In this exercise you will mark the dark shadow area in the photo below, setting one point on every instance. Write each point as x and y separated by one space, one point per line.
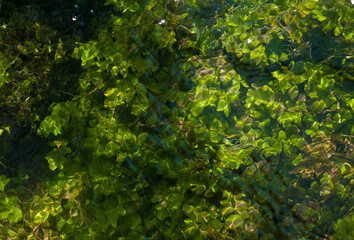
24 155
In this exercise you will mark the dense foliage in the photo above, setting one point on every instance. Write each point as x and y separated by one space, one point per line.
183 119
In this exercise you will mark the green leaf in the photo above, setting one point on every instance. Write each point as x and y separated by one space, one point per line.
115 70
289 117
196 110
233 221
187 209
351 103
319 15
162 214
41 216
156 198
310 133
243 37
222 105
318 106
264 94
15 215
348 34
227 111
338 30
113 215
3 129
282 135
56 158
227 211
190 229
217 225
215 137
297 35
198 188
283 57
4 213
297 160
298 68
273 58
3 182
230 47
254 55
293 92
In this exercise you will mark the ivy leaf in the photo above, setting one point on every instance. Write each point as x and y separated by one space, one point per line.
338 30
187 209
190 229
3 182
162 214
113 215
222 105
243 37
298 68
227 111
15 215
282 135
156 198
293 92
227 211
216 224
297 160
41 216
288 117
233 221
351 103
230 47
319 15
198 188
273 58
215 137
263 94
318 106
310 133
55 160
196 110
4 213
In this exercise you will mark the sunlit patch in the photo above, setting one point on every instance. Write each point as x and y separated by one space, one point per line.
163 21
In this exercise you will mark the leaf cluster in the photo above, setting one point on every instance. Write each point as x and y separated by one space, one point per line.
183 119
